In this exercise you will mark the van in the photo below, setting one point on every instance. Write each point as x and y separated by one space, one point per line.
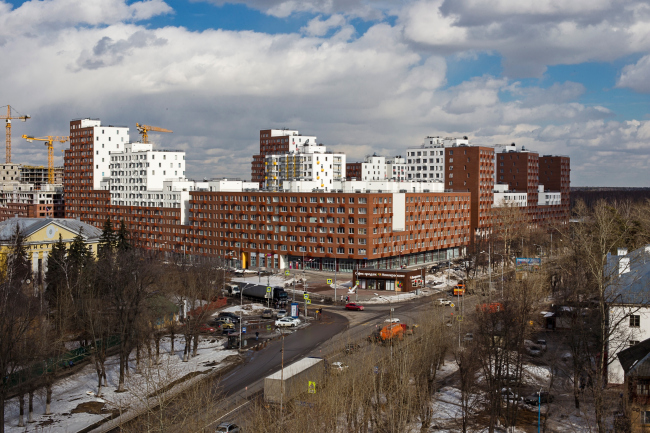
233 289
459 290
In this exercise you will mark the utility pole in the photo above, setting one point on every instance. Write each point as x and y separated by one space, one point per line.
335 279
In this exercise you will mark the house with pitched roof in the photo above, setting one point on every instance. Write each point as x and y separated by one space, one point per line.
41 234
628 296
635 361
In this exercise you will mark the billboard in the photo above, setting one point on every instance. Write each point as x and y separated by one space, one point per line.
528 264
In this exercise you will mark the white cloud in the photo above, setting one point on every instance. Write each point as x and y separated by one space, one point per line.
636 76
216 89
367 9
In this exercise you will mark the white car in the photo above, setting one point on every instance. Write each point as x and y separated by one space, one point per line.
443 301
393 320
338 367
287 322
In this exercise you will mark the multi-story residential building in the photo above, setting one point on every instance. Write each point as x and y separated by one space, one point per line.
505 197
276 142
353 170
427 161
38 175
26 200
385 223
471 169
310 162
396 168
10 172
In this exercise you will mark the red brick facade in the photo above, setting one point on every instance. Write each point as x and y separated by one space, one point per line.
353 170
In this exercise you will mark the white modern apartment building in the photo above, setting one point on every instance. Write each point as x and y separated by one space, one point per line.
427 161
308 162
396 168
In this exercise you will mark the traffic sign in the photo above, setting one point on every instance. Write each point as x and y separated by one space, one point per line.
268 327
306 296
286 272
329 281
357 282
459 318
243 330
392 309
269 289
452 305
308 301
312 387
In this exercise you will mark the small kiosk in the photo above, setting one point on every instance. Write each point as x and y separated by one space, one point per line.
398 280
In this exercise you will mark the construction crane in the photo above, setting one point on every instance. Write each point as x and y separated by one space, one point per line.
8 118
144 130
49 142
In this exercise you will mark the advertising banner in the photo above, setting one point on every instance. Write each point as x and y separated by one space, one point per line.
528 264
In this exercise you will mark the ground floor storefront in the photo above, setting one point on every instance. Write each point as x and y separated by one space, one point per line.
397 280
290 262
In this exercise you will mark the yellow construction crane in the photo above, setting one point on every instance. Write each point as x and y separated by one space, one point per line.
49 142
144 130
8 118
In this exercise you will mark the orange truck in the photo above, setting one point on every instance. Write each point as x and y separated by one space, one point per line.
392 331
459 290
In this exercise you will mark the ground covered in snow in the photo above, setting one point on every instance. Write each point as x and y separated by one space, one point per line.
75 405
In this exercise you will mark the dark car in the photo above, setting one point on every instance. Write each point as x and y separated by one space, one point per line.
231 316
353 306
267 314
536 398
226 427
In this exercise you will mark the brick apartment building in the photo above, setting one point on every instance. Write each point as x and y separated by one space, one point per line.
272 229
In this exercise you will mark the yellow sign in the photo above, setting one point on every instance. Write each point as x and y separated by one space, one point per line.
329 281
312 387
531 323
286 272
308 301
305 296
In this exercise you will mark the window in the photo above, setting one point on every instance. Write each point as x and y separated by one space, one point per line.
645 417
643 388
635 321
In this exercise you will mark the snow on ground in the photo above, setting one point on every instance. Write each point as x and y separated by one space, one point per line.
247 309
536 374
78 391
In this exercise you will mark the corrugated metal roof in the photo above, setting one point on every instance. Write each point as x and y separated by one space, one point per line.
30 225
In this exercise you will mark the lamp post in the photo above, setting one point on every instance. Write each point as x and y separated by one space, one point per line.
502 259
489 253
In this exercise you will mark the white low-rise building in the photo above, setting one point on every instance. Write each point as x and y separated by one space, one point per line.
363 186
545 198
504 197
427 161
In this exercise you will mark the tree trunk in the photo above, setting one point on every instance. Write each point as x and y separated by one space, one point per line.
2 412
48 398
120 385
21 405
195 347
173 338
30 416
576 388
137 358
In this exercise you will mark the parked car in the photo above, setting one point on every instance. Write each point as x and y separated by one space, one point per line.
469 337
267 314
234 318
536 398
393 320
509 394
338 367
206 329
542 344
353 306
281 314
534 350
228 331
287 322
226 325
226 427
444 301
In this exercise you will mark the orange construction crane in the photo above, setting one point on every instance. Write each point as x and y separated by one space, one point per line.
8 118
49 142
144 130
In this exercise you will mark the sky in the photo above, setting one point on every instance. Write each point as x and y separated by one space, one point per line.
558 77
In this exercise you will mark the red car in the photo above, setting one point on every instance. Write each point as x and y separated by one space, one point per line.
207 329
353 306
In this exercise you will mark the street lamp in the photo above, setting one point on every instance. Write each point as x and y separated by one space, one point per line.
489 253
502 260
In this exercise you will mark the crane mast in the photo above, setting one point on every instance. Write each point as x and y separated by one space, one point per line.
8 118
49 142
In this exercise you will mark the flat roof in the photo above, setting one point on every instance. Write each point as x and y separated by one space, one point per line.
295 368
